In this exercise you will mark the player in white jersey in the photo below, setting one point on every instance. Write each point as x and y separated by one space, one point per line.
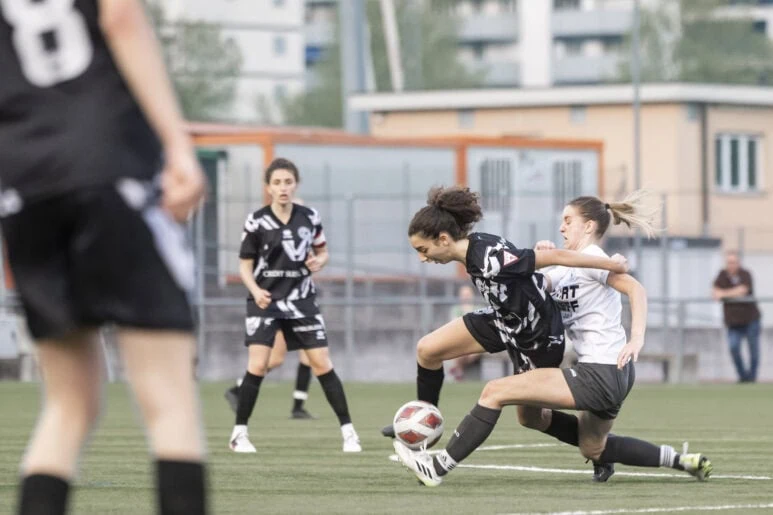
590 304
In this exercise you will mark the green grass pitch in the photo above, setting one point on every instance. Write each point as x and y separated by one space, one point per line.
299 467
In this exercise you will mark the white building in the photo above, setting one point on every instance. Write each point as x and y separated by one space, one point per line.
270 36
533 43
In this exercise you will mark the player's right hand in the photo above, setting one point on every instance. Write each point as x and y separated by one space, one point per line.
263 298
544 245
183 184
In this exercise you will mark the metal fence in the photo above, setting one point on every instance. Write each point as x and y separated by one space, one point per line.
378 299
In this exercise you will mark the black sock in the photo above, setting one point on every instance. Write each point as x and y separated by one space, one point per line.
470 434
334 392
302 380
42 494
181 487
564 427
630 451
428 384
248 395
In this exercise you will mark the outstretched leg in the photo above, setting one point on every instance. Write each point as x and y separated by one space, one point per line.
597 444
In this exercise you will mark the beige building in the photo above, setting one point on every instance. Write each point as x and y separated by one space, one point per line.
709 148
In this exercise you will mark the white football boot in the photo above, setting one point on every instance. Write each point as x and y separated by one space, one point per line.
240 440
418 462
351 440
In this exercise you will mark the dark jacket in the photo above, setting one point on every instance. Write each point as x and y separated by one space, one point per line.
737 313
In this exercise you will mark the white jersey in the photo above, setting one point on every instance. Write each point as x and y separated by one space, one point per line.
590 310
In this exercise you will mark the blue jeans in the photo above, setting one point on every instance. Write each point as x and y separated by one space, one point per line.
734 336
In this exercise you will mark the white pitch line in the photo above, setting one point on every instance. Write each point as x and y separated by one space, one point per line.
393 457
655 510
587 472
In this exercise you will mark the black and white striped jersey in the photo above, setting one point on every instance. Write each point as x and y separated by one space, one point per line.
527 316
279 252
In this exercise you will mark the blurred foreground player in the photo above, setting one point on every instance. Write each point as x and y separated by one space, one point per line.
97 174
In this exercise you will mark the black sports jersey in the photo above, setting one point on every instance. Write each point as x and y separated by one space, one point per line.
505 276
67 119
279 252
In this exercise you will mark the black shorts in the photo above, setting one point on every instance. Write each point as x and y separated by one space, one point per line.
307 332
600 389
481 324
87 258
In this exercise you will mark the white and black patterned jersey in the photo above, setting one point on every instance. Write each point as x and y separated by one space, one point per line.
279 252
527 317
67 118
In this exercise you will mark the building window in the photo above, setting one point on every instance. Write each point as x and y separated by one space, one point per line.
508 6
466 118
560 5
737 162
573 47
495 185
477 50
577 114
280 92
279 45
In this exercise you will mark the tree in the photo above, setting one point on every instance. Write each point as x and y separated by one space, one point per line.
686 40
429 57
203 65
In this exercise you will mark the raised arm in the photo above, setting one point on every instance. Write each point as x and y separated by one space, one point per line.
577 259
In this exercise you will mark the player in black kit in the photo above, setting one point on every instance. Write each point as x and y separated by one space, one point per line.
282 245
96 174
522 317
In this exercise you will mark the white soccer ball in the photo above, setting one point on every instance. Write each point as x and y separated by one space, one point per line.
418 423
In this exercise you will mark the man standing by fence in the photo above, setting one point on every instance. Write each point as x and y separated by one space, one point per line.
733 286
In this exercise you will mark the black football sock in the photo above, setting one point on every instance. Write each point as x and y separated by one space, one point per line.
631 451
181 489
248 395
302 380
428 384
471 433
334 392
564 427
42 494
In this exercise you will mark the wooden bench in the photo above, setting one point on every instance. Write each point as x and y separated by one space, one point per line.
669 363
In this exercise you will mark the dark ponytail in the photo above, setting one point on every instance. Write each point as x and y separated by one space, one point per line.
453 210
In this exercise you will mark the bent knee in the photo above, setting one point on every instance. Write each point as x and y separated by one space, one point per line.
592 450
491 396
257 369
428 350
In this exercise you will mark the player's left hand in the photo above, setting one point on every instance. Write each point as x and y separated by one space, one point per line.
629 351
313 263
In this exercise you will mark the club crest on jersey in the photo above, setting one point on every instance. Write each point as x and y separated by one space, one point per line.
287 234
509 258
304 233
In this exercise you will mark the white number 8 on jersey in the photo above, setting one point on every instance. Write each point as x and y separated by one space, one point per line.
57 21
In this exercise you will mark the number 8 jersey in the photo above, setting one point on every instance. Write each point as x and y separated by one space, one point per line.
67 119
